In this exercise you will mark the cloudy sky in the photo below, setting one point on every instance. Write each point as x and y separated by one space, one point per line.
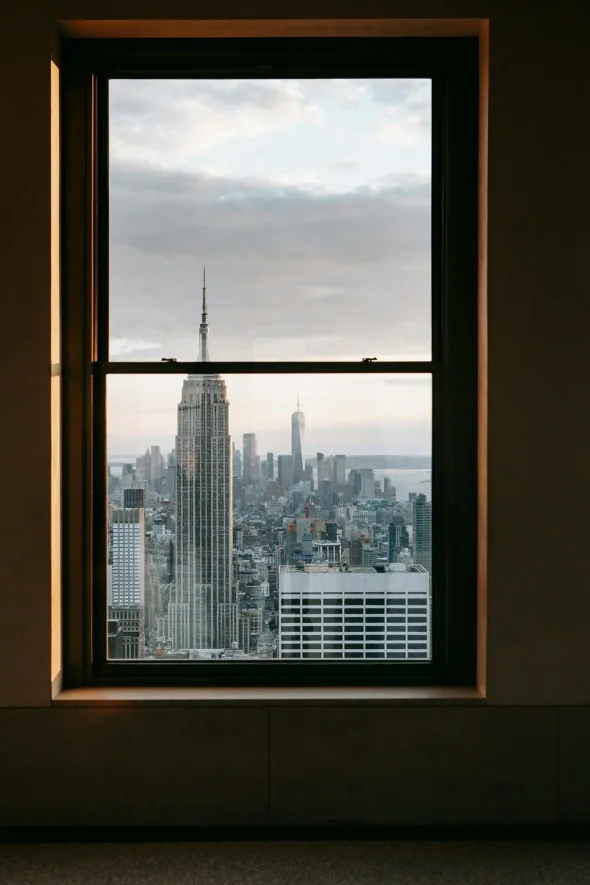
309 203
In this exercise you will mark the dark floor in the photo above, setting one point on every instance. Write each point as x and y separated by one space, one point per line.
298 863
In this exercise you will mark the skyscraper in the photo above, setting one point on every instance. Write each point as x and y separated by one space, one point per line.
270 465
128 555
320 463
298 443
134 498
367 483
127 581
285 471
250 450
201 610
423 532
340 469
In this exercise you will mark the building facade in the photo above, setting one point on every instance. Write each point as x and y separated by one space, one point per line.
201 610
332 613
127 585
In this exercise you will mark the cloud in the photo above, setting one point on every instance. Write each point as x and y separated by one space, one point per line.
174 122
406 109
126 346
333 274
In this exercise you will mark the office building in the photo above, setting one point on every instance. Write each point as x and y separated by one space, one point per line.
270 466
331 613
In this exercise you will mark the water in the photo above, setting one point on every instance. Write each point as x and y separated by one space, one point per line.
406 481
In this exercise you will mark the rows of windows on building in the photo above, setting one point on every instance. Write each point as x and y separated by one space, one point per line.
216 551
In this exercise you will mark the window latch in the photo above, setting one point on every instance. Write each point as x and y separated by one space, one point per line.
369 359
169 359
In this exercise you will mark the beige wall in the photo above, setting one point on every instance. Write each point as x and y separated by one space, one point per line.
522 757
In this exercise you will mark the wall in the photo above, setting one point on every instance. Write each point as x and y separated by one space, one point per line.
519 758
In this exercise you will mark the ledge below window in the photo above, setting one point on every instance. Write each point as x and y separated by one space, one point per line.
287 696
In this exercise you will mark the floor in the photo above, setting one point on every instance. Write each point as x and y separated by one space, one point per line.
298 863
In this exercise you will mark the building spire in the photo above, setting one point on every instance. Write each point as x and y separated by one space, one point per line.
204 327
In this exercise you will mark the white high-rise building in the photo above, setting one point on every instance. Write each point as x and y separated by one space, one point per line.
126 591
332 613
127 584
201 610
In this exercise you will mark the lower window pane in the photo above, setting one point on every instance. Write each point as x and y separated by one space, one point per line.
233 527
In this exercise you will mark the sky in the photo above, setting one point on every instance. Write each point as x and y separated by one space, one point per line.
309 203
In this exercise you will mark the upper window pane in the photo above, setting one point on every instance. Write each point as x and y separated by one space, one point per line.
308 201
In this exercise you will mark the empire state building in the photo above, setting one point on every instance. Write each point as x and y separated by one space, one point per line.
202 612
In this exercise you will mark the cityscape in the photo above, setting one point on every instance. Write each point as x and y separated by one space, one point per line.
217 552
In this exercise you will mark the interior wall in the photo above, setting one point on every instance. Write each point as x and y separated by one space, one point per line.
522 757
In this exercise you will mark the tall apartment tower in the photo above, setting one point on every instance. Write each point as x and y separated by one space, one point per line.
201 610
250 453
298 443
270 466
423 532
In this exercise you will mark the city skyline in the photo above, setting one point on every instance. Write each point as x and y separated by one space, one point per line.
141 410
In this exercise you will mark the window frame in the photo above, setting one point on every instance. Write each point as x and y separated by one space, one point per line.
452 63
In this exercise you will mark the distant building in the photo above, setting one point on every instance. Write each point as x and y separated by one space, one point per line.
367 483
422 540
249 460
298 443
250 627
398 538
298 541
128 557
368 555
128 640
329 613
339 469
328 551
270 466
134 499
237 463
320 463
285 471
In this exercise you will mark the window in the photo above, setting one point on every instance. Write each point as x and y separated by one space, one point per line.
312 461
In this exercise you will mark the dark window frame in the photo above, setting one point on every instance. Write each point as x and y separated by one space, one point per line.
452 63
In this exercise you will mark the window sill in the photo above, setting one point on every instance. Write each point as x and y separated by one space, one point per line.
257 697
